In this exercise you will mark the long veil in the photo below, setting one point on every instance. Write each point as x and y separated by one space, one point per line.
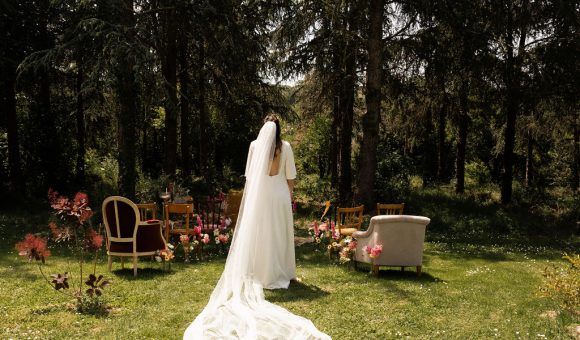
237 307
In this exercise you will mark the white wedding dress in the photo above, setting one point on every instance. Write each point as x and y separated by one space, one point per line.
261 256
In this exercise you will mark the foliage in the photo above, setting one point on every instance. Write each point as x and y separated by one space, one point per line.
563 283
392 183
74 216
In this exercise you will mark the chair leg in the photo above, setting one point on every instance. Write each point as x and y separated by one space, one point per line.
134 265
110 262
376 269
122 262
402 269
419 271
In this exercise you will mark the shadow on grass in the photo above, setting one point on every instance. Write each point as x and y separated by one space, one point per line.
295 292
396 274
146 273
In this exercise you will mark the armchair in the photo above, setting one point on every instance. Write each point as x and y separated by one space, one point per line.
401 236
127 234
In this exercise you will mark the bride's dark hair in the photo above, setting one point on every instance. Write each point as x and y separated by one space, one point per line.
274 118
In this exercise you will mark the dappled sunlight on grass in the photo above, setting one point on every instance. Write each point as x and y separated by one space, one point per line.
468 289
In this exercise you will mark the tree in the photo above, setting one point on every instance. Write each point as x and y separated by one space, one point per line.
368 157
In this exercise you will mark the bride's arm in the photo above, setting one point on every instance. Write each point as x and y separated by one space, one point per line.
291 188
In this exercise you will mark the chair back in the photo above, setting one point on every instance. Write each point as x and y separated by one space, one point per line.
402 238
233 203
121 217
145 208
350 217
390 209
183 209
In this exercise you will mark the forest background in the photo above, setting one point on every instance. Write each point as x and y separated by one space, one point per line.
387 100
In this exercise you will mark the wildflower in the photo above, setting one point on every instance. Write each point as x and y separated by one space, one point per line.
184 239
352 245
33 247
224 238
197 230
60 281
59 234
216 232
205 239
93 241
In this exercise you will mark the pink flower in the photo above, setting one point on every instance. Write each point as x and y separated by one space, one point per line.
205 239
197 230
352 245
375 251
315 228
199 222
224 238
184 239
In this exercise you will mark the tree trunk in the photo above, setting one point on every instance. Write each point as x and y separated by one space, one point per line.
169 70
512 103
9 109
50 148
529 159
203 119
127 116
368 151
347 114
441 127
576 160
461 139
186 114
80 118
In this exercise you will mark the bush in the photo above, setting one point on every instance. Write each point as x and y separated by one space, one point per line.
563 283
477 174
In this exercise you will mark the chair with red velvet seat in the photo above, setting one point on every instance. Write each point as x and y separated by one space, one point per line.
127 234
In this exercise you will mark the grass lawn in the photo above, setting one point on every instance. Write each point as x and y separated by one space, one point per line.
467 290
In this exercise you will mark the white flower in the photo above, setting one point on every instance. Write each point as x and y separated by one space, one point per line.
228 222
158 259
216 232
217 240
170 246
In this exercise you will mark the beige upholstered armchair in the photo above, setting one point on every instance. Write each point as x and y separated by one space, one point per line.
401 236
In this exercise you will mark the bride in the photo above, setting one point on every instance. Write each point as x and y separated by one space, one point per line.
261 254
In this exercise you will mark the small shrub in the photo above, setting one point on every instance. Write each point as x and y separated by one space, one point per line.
563 284
74 227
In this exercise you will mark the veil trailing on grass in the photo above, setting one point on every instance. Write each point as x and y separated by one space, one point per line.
237 307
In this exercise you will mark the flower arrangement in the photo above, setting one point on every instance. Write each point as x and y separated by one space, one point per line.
75 228
374 251
345 249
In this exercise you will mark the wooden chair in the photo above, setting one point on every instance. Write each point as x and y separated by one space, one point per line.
210 211
145 208
234 201
127 234
349 220
390 209
184 210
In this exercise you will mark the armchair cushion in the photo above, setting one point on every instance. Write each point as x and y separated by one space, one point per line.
148 240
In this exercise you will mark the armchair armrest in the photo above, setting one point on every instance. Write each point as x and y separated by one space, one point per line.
365 233
149 236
